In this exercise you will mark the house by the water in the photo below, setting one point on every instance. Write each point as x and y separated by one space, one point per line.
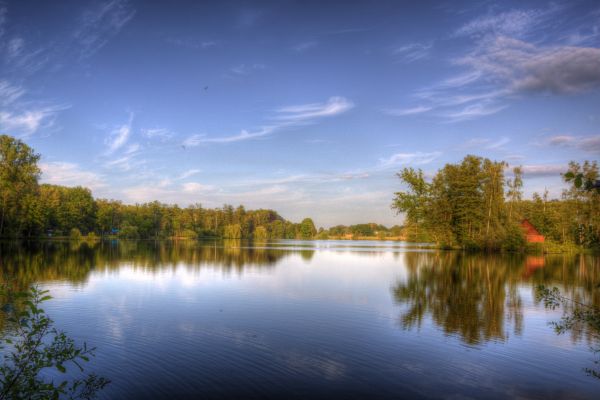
532 235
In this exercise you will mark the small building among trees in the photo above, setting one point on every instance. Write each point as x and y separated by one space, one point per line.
531 234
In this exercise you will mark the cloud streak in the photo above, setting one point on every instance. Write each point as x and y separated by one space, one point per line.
70 174
100 24
588 144
285 117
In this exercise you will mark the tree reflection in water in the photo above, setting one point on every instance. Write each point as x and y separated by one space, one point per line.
476 296
23 264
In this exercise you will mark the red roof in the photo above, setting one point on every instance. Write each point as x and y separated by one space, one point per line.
532 234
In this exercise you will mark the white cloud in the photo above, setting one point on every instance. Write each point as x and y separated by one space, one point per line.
409 111
14 47
524 67
246 69
589 144
543 170
504 62
286 117
157 133
513 23
304 46
9 93
26 123
195 187
412 52
300 113
472 111
189 173
416 158
100 23
70 174
486 143
119 136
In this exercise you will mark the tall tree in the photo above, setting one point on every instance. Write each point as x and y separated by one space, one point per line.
19 175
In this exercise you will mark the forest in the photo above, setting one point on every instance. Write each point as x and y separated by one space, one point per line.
472 205
29 209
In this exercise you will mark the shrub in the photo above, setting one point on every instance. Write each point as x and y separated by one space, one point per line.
75 234
33 346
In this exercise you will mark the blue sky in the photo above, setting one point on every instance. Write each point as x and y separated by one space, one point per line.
309 108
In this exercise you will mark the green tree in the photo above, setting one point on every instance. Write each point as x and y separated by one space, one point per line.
19 175
307 229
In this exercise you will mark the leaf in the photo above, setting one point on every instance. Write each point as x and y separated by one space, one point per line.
578 181
45 298
569 175
61 368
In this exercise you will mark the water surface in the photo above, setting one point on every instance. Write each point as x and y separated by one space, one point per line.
313 319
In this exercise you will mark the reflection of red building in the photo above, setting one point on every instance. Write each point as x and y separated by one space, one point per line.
532 234
532 263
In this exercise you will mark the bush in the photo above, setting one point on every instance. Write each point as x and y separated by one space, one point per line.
33 346
128 232
75 234
92 237
514 239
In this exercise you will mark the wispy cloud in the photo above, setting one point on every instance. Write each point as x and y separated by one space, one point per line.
9 93
192 43
158 133
408 111
119 136
543 170
100 23
525 67
504 62
472 111
285 117
412 52
588 144
416 158
511 23
304 46
246 69
27 122
70 174
188 173
486 143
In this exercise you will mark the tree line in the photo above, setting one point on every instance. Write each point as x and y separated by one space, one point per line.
29 209
471 204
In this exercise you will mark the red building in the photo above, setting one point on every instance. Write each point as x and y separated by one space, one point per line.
532 234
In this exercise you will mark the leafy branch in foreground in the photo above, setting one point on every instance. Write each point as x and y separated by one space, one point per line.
33 348
578 316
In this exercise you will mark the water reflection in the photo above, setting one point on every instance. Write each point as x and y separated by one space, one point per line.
22 264
477 296
259 320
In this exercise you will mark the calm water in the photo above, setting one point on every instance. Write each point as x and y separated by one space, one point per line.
316 319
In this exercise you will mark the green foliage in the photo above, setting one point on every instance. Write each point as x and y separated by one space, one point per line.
33 346
128 232
307 229
75 234
577 317
19 212
260 233
514 238
463 204
233 231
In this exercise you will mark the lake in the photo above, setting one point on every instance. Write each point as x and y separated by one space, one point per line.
314 319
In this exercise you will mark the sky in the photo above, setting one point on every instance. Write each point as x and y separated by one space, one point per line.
309 108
